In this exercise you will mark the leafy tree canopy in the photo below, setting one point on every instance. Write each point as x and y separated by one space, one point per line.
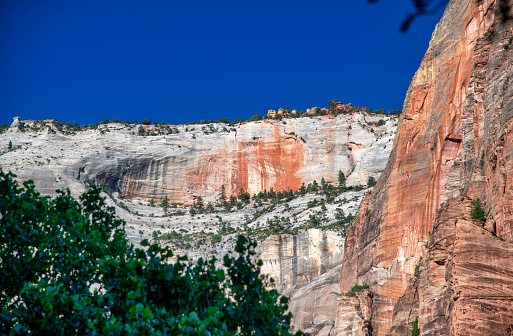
68 269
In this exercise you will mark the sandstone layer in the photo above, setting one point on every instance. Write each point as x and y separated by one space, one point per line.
454 140
200 159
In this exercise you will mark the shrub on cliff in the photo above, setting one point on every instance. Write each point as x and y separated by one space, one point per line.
371 182
476 210
356 289
67 269
415 331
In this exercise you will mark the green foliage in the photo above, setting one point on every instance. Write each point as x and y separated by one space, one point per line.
10 145
341 179
476 210
3 127
222 194
332 104
67 269
356 289
165 204
146 121
381 122
415 329
371 182
255 117
416 272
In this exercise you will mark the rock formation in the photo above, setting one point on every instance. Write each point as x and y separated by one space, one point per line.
426 260
254 156
454 143
306 268
200 159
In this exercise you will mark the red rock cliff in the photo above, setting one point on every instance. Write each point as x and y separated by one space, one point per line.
454 143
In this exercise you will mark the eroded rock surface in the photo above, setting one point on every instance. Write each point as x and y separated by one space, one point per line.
306 268
454 140
200 159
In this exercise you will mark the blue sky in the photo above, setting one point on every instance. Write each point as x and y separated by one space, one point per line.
178 61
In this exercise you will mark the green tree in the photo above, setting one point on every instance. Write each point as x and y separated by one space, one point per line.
255 117
476 210
68 269
332 105
415 331
341 179
146 121
371 182
106 121
10 145
222 194
165 204
152 202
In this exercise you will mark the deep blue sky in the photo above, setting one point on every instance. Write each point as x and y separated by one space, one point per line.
188 60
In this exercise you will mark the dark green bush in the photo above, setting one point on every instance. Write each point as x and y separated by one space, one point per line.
356 289
371 182
415 330
476 210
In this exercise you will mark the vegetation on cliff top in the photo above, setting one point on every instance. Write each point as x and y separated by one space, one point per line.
165 128
67 269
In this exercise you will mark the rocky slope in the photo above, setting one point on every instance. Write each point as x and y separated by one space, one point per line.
454 143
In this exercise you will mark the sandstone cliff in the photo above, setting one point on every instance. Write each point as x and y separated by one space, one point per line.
200 159
454 143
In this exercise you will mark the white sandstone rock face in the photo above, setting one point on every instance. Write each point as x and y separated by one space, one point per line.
294 260
200 159
306 268
197 162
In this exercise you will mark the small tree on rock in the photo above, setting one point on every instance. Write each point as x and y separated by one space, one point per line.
341 179
165 204
371 182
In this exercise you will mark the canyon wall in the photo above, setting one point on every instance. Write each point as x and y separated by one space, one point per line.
306 268
200 159
454 143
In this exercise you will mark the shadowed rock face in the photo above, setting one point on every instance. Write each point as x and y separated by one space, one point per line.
306 268
454 140
199 160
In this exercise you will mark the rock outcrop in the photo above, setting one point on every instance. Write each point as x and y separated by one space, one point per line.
200 159
454 142
306 268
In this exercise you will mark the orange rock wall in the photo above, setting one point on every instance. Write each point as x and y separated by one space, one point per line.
253 157
454 139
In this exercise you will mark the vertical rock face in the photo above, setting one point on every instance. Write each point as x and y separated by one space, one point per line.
306 268
454 140
464 284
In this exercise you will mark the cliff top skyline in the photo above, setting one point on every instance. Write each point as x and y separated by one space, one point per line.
180 62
